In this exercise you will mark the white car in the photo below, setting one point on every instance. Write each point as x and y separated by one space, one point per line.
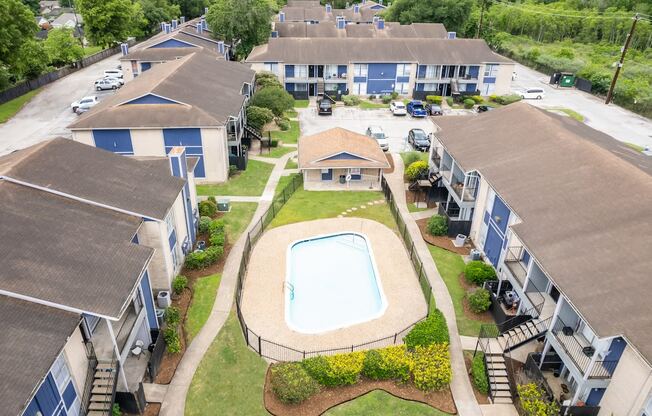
84 104
376 132
532 94
107 84
398 108
113 73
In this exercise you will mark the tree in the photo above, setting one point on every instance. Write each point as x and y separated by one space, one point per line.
157 11
33 6
16 27
191 8
452 13
244 23
62 48
108 22
276 99
32 59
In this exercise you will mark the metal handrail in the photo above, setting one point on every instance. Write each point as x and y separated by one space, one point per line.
575 349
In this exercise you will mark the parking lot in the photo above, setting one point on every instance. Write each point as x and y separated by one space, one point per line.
355 119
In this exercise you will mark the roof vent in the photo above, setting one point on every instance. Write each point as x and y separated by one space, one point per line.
281 17
452 35
356 8
329 8
168 28
124 48
375 20
381 24
162 26
174 24
183 19
205 10
220 47
204 25
341 23
199 28
380 2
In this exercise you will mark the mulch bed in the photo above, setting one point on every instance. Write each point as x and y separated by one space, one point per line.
480 397
390 159
152 409
331 397
469 287
444 242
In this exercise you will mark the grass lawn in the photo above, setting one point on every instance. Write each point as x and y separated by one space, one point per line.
11 107
570 113
311 205
292 164
236 220
230 377
289 136
301 103
368 105
250 182
205 290
409 157
413 208
91 50
277 151
291 114
450 265
284 181
379 402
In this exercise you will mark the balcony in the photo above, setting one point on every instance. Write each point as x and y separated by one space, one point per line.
514 262
435 158
580 352
465 186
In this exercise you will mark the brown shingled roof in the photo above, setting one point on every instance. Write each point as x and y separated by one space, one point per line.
585 202
329 30
314 149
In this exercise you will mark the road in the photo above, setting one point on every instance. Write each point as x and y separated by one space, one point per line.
619 123
48 113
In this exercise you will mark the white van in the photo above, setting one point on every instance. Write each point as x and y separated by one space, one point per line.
113 73
532 94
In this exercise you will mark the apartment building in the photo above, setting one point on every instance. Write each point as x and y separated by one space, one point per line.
311 11
171 105
561 211
88 239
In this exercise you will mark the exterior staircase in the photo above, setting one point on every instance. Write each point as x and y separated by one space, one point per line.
523 333
498 381
103 390
252 132
320 87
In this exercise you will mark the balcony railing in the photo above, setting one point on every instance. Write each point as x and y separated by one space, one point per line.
436 158
514 262
580 351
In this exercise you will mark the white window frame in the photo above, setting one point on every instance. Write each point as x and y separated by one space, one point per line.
432 71
403 70
488 89
301 71
402 87
304 87
330 71
430 86
60 367
272 67
491 70
360 70
360 88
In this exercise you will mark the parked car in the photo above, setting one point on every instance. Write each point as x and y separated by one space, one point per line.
416 109
324 107
484 108
532 94
89 102
107 84
419 140
434 109
113 73
376 132
397 108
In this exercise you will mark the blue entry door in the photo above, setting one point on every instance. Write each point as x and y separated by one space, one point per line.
492 245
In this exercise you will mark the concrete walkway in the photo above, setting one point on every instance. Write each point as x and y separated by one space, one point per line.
460 385
232 198
174 402
424 214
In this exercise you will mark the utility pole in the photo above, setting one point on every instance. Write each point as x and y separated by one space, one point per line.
622 59
477 34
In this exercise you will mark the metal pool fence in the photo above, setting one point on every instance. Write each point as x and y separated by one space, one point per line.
278 352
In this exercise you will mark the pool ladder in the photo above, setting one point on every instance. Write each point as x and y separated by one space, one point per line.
290 287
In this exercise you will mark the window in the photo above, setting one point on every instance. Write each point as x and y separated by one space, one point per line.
360 88
169 220
462 71
60 372
271 67
401 87
430 86
491 70
360 70
330 71
432 71
448 71
301 87
175 258
403 70
488 89
301 71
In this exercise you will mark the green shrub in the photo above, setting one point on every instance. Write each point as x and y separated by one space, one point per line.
432 367
386 99
179 283
534 402
273 143
274 98
479 300
434 99
468 103
350 100
477 99
212 199
479 272
115 410
335 370
172 316
372 97
207 208
391 363
449 101
217 225
217 238
508 99
432 330
437 225
203 224
393 95
233 170
257 117
291 383
493 97
171 336
416 170
202 259
283 124
267 79
411 157
479 373
213 254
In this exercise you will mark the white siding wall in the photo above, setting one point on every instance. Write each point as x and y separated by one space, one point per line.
478 212
152 234
630 387
504 79
75 353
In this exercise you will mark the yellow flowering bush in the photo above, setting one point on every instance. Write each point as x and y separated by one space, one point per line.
432 367
391 363
335 370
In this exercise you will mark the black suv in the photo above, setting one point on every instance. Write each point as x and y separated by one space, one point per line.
419 140
324 107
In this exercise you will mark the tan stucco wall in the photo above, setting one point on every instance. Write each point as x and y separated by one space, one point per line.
480 208
83 136
150 235
504 79
312 179
147 142
630 386
76 356
127 73
216 155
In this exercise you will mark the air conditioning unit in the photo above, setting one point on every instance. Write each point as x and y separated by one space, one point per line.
163 299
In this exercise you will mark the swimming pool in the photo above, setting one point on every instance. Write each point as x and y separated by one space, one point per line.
331 282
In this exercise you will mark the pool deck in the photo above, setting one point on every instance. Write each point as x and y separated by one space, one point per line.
263 301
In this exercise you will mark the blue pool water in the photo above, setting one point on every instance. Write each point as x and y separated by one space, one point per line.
331 282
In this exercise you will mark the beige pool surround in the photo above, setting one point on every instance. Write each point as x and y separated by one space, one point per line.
263 303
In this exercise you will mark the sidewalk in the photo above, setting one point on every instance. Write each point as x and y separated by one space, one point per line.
460 385
174 402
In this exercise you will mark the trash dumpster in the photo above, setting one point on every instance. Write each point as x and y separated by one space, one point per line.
567 80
